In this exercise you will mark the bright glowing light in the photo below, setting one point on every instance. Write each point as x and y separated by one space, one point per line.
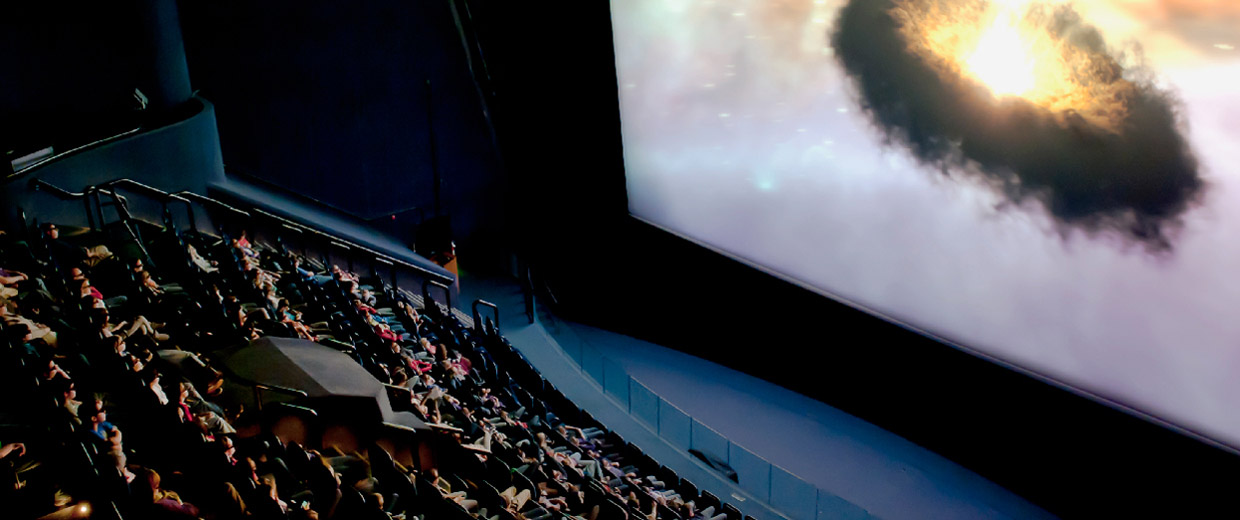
1001 60
1013 48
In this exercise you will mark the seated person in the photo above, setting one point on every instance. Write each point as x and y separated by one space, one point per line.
144 280
38 331
204 411
8 282
155 502
86 290
64 254
95 419
286 314
206 266
100 318
445 489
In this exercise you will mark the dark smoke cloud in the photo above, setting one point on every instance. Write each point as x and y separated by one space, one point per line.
1137 183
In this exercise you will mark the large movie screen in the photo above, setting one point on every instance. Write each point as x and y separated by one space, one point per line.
1052 184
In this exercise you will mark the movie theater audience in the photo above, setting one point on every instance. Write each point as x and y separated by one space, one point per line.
507 451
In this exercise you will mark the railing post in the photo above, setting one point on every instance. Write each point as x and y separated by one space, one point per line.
447 293
478 326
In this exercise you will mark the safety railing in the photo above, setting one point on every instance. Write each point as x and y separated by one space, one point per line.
352 246
784 491
72 151
94 212
447 292
478 322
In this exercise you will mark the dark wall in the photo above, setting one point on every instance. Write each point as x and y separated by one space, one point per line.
1062 451
330 100
70 69
184 155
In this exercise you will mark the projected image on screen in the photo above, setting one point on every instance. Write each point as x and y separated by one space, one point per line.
1050 183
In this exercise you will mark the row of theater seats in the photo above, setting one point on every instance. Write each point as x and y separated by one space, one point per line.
119 411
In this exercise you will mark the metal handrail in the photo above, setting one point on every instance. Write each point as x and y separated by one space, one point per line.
258 388
94 212
447 291
154 193
61 193
327 236
55 157
122 211
478 316
304 409
201 199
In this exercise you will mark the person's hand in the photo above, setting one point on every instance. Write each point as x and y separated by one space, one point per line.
11 447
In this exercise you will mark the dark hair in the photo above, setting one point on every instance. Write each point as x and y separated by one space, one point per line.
98 317
149 375
18 332
88 410
61 386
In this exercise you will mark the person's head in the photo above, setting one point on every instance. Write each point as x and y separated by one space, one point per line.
18 333
77 273
117 344
394 346
151 479
269 484
51 231
183 390
150 377
136 265
92 413
98 316
284 304
68 391
84 286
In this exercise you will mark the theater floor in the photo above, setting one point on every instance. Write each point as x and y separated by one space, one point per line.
885 475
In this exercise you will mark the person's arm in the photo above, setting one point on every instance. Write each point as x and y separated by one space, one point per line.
10 447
